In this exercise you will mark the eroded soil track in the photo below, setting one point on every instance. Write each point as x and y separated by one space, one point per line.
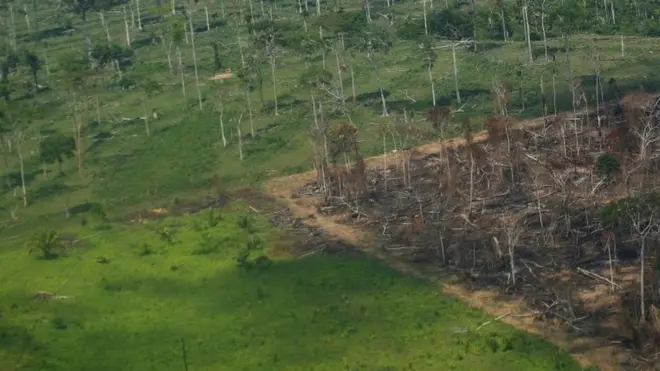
601 352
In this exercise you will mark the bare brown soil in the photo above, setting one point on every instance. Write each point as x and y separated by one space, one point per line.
542 189
222 76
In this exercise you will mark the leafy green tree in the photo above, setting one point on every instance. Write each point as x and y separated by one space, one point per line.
55 148
9 62
46 242
104 55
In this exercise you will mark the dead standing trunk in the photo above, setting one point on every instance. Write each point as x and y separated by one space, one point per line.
146 116
126 29
272 72
88 36
139 16
192 42
19 149
183 80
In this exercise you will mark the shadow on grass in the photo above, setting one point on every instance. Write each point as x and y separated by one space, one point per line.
50 33
330 310
52 188
13 178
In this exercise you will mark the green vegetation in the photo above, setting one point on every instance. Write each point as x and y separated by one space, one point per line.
161 282
607 164
118 95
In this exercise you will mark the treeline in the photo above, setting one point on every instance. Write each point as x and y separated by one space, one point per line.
506 20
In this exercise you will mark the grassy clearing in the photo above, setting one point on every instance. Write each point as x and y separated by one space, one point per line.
317 313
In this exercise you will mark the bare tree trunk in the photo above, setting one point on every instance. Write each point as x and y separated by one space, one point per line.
623 53
554 94
168 52
471 183
240 138
353 84
642 270
382 93
128 33
545 40
453 56
98 111
385 160
139 16
272 72
321 158
173 4
222 123
146 116
527 33
132 17
208 24
183 80
318 7
609 258
105 27
249 102
88 36
432 84
27 17
339 78
367 9
192 42
504 31
426 26
19 145
12 27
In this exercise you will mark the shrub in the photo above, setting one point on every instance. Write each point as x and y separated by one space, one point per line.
209 245
146 250
214 218
167 235
46 242
59 323
607 164
245 222
243 256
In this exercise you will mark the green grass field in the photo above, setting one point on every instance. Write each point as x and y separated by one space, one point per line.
341 312
134 295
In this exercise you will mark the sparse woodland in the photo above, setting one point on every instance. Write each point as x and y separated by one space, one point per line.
110 106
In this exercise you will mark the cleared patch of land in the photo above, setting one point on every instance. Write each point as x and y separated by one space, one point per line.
523 200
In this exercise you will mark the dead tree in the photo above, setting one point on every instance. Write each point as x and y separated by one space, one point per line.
642 224
512 229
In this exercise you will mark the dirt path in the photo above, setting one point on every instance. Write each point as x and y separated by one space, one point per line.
587 351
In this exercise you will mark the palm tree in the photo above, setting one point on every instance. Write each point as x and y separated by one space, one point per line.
46 242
